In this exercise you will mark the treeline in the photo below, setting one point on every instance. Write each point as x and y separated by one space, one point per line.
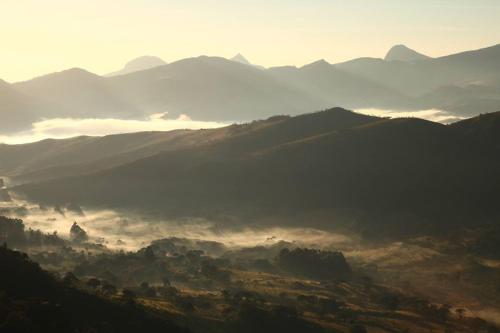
13 233
314 264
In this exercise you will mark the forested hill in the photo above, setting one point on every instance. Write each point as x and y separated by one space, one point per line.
32 300
334 164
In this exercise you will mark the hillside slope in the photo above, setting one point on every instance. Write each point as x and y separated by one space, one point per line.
375 169
32 300
68 157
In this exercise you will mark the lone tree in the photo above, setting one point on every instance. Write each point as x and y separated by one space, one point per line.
93 283
460 313
77 234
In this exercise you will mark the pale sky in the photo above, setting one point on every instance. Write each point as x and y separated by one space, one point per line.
43 36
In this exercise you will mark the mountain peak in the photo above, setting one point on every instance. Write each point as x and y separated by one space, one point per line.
403 53
241 59
322 63
139 64
71 74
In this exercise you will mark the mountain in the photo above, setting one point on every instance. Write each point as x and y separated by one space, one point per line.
204 88
211 88
337 166
77 93
335 86
427 77
218 89
139 64
241 59
467 99
405 54
17 110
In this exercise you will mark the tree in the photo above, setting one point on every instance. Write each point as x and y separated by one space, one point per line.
93 283
77 234
460 313
70 279
166 281
108 288
149 254
314 264
357 328
128 296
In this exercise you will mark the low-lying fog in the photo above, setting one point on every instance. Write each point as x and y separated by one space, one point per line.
60 128
435 115
124 231
128 232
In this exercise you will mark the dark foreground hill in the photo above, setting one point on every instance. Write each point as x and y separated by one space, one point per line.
335 166
32 300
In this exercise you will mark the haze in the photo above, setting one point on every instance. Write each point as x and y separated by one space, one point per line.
40 37
264 166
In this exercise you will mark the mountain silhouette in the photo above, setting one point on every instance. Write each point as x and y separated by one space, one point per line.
17 109
403 53
241 59
77 93
139 64
217 89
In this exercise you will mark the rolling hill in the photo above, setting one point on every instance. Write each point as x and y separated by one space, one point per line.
68 157
334 164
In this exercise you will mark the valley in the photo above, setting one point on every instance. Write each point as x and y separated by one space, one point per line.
250 166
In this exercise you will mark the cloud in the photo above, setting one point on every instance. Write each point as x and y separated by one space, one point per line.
60 128
435 115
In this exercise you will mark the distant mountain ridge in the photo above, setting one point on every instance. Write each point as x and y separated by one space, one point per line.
139 64
242 60
403 53
218 89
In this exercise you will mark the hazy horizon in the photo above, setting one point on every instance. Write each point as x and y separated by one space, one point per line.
56 35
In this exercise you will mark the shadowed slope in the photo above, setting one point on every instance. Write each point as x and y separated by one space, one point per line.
364 168
34 301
